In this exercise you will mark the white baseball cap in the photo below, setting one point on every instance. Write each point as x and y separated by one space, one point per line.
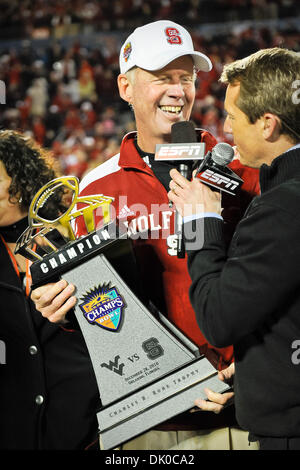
155 45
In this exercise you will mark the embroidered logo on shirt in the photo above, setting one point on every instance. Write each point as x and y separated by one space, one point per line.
125 212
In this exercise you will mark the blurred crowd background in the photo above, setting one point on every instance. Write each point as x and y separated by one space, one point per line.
59 64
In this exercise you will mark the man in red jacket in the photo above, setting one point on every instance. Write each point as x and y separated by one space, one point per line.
158 82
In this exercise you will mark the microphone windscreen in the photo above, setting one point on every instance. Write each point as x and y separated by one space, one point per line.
222 154
183 132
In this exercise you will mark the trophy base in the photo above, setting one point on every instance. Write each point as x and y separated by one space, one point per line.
156 403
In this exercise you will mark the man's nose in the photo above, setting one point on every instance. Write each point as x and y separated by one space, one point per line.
227 126
176 90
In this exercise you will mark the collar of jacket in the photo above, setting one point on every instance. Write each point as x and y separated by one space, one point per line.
12 232
8 275
283 168
130 158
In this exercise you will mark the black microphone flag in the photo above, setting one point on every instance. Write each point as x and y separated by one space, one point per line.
214 172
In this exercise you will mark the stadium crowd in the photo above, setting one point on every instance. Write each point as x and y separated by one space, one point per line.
66 97
33 17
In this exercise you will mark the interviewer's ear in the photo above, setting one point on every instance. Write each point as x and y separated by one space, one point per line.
271 127
125 88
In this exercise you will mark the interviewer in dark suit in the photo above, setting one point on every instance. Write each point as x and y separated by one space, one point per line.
249 295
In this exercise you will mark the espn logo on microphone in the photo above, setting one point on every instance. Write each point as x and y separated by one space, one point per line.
183 151
219 181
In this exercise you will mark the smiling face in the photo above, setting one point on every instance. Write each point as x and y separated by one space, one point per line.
160 99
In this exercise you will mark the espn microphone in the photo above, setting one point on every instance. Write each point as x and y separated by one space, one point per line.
182 132
183 151
214 172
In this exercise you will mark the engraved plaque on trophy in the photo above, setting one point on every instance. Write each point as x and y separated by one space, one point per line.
147 371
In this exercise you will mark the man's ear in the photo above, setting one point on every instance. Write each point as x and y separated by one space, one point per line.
125 88
271 127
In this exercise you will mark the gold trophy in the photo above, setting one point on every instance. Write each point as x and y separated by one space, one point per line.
147 371
39 226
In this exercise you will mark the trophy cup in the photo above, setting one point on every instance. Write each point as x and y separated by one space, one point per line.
147 371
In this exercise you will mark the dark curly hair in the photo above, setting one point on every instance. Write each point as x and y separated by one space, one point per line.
30 167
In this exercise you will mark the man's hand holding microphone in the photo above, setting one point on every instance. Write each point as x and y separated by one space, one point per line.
192 197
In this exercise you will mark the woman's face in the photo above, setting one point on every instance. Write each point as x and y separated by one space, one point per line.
9 212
